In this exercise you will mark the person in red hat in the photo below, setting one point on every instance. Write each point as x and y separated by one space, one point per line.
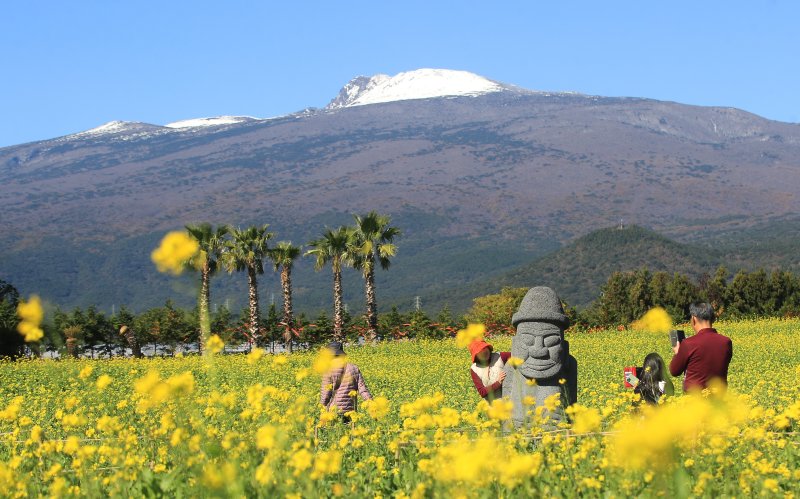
488 369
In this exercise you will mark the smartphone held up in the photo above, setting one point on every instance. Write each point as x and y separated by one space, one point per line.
630 375
676 336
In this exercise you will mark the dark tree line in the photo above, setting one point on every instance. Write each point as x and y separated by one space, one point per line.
168 329
11 342
626 296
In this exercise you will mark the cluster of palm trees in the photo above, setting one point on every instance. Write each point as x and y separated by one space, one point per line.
369 241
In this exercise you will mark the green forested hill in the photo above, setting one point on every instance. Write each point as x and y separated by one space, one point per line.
768 245
578 270
109 274
441 272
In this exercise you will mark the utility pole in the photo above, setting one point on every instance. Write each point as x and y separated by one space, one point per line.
417 303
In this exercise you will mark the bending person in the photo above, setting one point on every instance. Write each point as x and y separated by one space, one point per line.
487 369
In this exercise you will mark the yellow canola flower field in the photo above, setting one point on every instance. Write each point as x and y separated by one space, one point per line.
252 426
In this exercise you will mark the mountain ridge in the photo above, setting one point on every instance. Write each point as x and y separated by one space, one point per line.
411 85
481 184
417 84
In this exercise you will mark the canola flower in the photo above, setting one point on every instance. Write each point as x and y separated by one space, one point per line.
266 437
85 372
471 333
177 250
653 438
103 381
301 461
255 355
481 462
584 419
500 409
326 361
377 408
214 344
514 362
326 463
31 315
656 320
234 428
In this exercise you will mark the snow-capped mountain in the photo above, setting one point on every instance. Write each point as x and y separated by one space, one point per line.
212 121
419 84
529 168
117 130
118 127
127 130
360 91
356 87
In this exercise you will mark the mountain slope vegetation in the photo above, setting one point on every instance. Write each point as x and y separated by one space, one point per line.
479 186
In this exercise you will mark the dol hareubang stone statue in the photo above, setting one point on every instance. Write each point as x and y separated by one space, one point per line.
540 344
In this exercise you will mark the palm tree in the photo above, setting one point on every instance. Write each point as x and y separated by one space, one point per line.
333 247
283 256
211 244
374 240
246 250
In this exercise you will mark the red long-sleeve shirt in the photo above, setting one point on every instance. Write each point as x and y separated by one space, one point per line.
703 357
483 390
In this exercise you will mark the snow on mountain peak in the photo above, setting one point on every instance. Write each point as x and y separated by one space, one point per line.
111 127
213 121
419 84
118 128
133 130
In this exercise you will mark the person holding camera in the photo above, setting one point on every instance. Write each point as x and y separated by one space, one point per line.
652 382
706 355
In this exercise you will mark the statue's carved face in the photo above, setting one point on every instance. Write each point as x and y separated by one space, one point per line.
540 346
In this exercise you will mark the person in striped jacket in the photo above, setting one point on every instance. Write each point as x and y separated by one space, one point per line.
342 384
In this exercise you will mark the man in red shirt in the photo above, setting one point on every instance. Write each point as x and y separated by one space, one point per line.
704 356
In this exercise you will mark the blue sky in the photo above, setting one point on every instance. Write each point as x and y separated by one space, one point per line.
71 66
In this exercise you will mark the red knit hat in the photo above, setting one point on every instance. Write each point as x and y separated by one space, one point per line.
478 345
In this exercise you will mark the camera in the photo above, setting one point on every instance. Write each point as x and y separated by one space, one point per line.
629 372
676 336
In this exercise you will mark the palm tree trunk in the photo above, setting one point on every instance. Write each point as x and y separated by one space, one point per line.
286 282
253 284
133 343
338 319
72 347
372 306
205 321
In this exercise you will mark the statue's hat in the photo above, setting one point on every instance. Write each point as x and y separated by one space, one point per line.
541 304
